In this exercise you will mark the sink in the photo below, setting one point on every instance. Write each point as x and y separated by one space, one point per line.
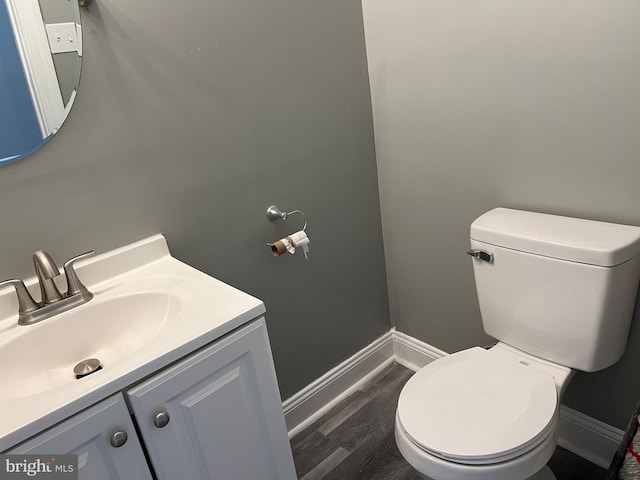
148 310
42 356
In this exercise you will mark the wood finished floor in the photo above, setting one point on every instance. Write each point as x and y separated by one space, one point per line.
354 440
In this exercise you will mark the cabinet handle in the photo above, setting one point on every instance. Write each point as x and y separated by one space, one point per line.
161 419
118 439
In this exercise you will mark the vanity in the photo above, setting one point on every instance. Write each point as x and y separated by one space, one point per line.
186 386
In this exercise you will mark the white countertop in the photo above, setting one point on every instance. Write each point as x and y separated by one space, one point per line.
209 310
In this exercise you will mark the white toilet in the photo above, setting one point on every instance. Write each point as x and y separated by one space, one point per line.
558 294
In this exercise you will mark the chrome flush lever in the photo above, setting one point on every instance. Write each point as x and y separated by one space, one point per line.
481 255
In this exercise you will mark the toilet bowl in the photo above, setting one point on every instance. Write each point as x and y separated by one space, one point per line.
434 468
558 294
481 414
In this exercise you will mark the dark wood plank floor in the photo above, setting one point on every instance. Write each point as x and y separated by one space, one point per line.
355 441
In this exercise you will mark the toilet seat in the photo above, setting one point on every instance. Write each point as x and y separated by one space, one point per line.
476 407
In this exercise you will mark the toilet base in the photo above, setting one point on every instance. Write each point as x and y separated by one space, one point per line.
544 474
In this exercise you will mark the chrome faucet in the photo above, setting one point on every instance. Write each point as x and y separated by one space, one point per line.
46 270
52 301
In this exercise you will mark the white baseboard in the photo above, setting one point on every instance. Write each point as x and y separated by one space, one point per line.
413 353
317 398
587 437
583 435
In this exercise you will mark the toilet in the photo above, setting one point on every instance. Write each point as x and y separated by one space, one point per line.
558 294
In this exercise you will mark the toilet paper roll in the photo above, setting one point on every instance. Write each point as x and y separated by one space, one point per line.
281 246
278 248
289 244
303 242
299 238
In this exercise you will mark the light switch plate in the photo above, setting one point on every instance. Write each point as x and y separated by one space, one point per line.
63 37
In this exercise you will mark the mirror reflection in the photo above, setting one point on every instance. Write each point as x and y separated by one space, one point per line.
40 62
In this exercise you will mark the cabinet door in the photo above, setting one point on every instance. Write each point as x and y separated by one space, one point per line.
225 414
88 435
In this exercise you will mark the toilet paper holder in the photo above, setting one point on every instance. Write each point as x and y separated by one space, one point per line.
290 242
274 213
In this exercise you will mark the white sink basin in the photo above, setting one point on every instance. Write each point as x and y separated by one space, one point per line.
43 355
148 311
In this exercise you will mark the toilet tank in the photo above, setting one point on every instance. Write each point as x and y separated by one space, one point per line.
560 288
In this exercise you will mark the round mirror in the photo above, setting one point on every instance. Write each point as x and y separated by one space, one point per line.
40 61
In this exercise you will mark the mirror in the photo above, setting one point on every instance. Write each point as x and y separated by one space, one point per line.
40 62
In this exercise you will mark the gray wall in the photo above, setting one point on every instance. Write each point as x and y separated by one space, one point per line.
59 11
191 119
530 105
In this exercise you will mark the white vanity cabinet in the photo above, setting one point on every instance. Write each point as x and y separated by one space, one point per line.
215 414
224 413
103 437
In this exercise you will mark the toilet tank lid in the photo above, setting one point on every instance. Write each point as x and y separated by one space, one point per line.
567 238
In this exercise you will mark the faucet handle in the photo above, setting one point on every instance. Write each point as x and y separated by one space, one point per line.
26 303
74 285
